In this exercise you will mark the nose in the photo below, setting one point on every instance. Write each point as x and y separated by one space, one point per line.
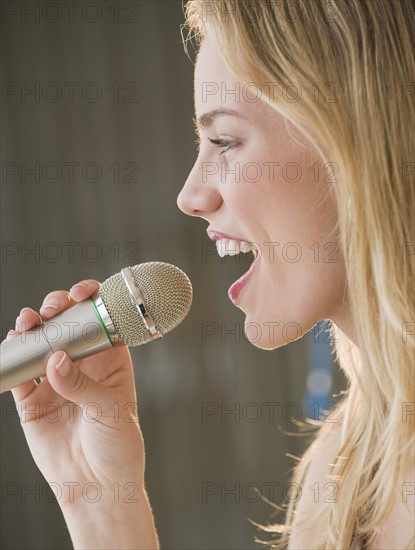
199 195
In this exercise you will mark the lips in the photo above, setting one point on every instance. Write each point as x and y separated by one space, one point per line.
229 245
238 285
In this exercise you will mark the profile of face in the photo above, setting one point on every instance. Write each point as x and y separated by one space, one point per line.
262 186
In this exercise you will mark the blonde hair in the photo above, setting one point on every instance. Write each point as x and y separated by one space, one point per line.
359 56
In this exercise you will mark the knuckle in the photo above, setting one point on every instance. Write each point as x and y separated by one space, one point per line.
80 383
11 334
26 311
60 294
30 316
88 285
57 297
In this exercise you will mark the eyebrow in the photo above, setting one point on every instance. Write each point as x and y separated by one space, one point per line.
207 119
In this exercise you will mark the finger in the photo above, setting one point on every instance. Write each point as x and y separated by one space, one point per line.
23 391
27 319
31 393
55 302
84 289
73 384
12 334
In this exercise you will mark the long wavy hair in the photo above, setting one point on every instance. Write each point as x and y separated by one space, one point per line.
347 70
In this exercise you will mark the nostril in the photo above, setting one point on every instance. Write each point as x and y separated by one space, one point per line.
181 203
199 202
198 198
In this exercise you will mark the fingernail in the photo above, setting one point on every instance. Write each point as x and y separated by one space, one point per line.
26 308
9 335
18 322
80 285
50 305
63 366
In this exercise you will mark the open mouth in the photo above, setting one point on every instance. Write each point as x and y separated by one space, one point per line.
230 246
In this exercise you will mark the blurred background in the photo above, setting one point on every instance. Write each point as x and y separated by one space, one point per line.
97 140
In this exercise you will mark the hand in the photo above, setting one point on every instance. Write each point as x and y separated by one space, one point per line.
81 420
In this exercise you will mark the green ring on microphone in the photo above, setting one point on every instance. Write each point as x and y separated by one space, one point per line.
103 324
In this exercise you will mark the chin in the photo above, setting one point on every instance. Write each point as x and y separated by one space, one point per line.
266 346
270 335
267 336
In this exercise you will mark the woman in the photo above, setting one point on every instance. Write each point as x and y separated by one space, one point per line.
306 121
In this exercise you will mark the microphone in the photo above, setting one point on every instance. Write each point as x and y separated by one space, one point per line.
131 308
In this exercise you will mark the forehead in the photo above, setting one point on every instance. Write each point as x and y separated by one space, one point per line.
209 65
216 87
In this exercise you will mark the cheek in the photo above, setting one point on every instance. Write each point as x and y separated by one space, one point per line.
279 200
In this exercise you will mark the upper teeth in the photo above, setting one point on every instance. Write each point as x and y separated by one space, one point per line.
231 247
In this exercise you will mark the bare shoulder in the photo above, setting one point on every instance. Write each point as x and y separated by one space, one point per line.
399 526
317 488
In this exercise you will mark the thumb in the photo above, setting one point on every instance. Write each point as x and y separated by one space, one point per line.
73 384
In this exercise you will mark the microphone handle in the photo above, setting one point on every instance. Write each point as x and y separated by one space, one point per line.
80 331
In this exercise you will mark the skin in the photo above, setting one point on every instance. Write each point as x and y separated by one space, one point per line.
275 211
75 443
290 287
270 210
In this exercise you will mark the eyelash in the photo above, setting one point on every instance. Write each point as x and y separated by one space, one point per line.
223 143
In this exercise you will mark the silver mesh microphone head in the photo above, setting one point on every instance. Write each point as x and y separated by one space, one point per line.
167 296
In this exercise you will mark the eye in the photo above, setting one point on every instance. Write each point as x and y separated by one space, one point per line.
224 144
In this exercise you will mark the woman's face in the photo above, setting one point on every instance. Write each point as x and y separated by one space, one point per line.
257 183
